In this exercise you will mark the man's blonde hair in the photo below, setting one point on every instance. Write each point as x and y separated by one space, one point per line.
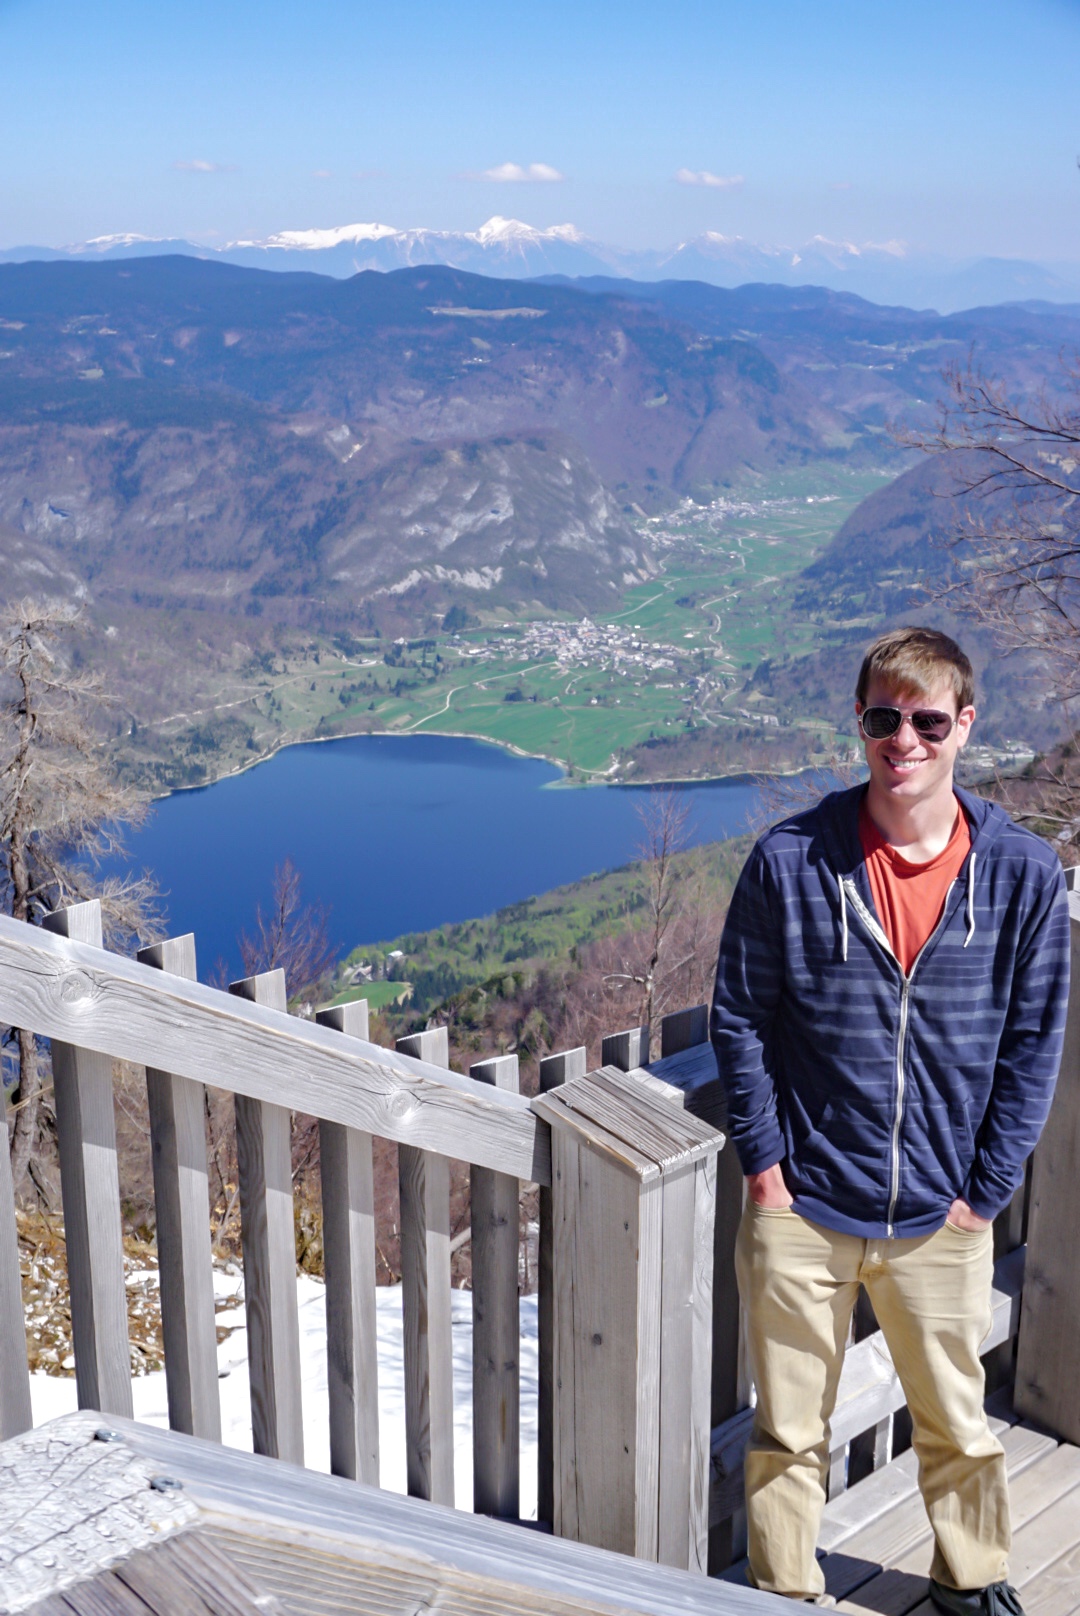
917 659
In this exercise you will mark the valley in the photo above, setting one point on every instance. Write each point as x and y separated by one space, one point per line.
595 695
641 529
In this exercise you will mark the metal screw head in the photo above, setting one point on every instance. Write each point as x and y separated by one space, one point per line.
103 1434
166 1484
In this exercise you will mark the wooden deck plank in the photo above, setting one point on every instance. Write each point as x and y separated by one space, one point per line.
879 1493
1056 1590
1039 1544
886 1541
235 1489
903 1585
105 1595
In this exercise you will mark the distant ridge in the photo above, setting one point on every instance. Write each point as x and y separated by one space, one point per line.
888 272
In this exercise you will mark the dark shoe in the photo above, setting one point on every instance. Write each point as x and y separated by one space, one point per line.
999 1599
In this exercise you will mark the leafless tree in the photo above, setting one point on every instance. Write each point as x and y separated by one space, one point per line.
779 796
1016 469
1014 466
663 818
62 811
291 935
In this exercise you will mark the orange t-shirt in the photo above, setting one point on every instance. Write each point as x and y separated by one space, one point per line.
909 897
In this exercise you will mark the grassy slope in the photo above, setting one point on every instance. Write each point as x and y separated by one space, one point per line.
547 929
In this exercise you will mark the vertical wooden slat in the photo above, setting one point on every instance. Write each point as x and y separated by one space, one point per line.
1047 1385
554 1071
424 1188
496 1332
348 1201
182 1205
871 1449
16 1414
684 1029
705 1178
626 1049
264 1158
836 1477
86 1125
730 1391
689 1199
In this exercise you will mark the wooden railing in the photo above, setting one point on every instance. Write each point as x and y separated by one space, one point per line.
644 1397
627 1224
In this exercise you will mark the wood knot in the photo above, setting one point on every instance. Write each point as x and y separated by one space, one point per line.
401 1105
77 988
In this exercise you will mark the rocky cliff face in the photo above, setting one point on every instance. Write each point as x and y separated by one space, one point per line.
189 432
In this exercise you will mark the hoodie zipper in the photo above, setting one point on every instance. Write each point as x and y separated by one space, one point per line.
876 932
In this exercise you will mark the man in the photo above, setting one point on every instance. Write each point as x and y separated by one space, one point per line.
888 1019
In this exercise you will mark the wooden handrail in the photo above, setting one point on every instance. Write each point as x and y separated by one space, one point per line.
94 1000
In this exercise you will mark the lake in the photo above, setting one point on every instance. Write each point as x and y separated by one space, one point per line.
395 834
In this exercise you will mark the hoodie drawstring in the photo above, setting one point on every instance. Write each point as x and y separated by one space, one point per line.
843 918
970 901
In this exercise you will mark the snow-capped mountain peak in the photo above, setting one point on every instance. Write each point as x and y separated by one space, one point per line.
499 230
104 244
319 240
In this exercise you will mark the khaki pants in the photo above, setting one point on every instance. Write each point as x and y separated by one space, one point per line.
798 1283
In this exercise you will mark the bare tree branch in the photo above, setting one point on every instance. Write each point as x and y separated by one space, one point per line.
62 812
291 935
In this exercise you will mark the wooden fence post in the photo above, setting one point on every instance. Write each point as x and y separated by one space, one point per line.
424 1186
16 1414
86 1125
554 1071
352 1356
633 1193
496 1330
684 1029
1047 1385
182 1211
264 1159
626 1049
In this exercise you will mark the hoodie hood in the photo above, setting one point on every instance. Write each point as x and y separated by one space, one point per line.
837 817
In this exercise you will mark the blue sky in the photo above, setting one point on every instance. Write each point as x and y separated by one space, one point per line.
953 126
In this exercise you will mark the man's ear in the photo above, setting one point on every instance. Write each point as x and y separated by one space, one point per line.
964 720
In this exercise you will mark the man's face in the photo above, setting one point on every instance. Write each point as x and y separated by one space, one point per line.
906 767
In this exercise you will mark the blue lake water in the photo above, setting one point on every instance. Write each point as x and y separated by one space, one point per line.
394 834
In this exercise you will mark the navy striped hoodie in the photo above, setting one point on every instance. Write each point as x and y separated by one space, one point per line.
885 1097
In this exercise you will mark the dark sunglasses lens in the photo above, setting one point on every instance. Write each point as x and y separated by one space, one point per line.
878 723
931 726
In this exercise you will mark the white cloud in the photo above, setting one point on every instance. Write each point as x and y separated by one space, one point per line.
517 174
840 185
718 182
321 174
199 165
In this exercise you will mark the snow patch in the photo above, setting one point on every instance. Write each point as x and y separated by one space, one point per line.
316 240
52 1395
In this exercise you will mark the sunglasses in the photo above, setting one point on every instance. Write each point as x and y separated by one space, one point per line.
878 723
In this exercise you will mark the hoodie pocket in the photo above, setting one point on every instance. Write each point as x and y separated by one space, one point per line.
960 1117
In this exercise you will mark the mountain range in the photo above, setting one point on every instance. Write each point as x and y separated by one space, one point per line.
216 458
887 272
